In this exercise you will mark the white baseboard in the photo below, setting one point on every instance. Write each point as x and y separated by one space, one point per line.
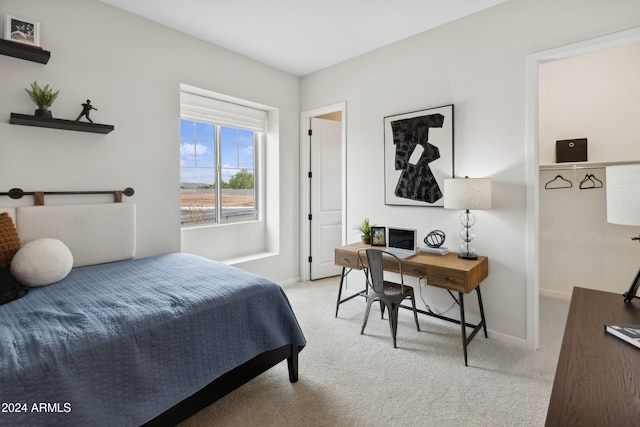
555 294
290 282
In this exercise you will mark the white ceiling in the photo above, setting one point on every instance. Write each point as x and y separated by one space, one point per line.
300 36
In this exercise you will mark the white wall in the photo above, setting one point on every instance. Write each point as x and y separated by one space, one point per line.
479 64
596 96
131 69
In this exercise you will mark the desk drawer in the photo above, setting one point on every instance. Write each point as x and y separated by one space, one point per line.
346 259
448 279
415 269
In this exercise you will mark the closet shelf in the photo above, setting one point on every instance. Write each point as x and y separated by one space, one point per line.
23 51
583 165
27 120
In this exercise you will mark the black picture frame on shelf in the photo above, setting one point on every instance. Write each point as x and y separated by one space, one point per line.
378 236
22 30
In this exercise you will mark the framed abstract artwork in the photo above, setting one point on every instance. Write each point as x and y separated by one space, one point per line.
418 156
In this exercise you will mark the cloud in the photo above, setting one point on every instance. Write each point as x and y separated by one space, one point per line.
192 151
228 172
197 154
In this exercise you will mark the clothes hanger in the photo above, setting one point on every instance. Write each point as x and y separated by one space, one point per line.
590 181
587 183
598 183
562 183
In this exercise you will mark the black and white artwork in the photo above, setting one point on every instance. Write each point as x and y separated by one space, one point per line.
418 156
22 30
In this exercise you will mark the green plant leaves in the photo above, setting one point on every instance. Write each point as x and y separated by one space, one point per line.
42 96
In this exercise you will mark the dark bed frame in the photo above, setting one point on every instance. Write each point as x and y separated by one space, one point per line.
228 382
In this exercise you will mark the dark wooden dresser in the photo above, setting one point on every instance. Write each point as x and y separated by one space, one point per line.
597 381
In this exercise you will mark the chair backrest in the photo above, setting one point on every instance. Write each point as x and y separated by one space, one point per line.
376 268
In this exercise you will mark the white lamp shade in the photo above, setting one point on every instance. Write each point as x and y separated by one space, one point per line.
623 194
467 193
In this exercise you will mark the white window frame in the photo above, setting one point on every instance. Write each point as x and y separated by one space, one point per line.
199 107
242 242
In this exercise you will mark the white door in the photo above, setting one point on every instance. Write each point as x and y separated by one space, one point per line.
326 196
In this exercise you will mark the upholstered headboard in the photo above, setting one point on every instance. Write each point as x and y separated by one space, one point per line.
95 233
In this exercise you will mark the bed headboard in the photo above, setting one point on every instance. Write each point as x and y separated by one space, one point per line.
95 233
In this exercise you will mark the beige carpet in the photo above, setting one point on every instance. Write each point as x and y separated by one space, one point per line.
348 379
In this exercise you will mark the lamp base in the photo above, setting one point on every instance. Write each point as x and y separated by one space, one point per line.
468 256
633 289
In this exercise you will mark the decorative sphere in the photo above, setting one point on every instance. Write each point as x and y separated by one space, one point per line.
435 239
467 234
467 250
467 219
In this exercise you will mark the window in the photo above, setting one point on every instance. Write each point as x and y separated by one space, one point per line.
219 158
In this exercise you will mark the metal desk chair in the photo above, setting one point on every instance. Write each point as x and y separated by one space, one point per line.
388 293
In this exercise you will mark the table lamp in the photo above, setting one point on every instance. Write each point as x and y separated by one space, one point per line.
467 193
623 205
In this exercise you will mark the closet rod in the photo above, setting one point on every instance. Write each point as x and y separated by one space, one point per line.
584 165
575 168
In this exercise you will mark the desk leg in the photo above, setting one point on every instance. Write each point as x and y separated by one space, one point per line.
467 339
484 323
362 293
463 327
344 273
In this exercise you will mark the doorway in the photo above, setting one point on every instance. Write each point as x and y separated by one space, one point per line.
532 155
323 195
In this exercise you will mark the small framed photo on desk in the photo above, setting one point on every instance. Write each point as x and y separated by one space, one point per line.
378 236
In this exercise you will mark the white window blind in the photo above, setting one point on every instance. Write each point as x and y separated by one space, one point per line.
202 108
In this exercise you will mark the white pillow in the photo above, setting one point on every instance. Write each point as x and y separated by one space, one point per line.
41 262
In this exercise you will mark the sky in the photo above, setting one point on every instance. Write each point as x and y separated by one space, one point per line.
197 152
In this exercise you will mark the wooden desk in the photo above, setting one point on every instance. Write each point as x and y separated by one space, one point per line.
443 271
597 380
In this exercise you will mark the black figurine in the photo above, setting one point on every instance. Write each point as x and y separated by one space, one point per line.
86 108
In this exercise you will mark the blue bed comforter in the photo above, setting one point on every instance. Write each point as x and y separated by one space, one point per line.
119 343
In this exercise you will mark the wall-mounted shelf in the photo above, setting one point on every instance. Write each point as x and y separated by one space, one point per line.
27 120
583 165
24 51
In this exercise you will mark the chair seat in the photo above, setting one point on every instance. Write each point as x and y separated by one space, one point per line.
395 289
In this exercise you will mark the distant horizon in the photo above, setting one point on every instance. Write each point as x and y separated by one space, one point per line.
198 185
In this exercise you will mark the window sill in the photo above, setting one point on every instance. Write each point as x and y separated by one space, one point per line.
248 258
219 224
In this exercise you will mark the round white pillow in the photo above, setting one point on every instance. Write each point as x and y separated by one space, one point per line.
41 262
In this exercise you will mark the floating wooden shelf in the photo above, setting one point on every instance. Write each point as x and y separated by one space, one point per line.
24 51
27 120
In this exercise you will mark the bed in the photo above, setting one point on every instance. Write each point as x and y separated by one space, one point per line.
126 341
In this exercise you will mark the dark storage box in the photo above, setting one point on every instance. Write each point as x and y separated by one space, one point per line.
571 150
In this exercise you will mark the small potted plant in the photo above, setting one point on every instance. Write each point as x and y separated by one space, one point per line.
365 231
43 97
